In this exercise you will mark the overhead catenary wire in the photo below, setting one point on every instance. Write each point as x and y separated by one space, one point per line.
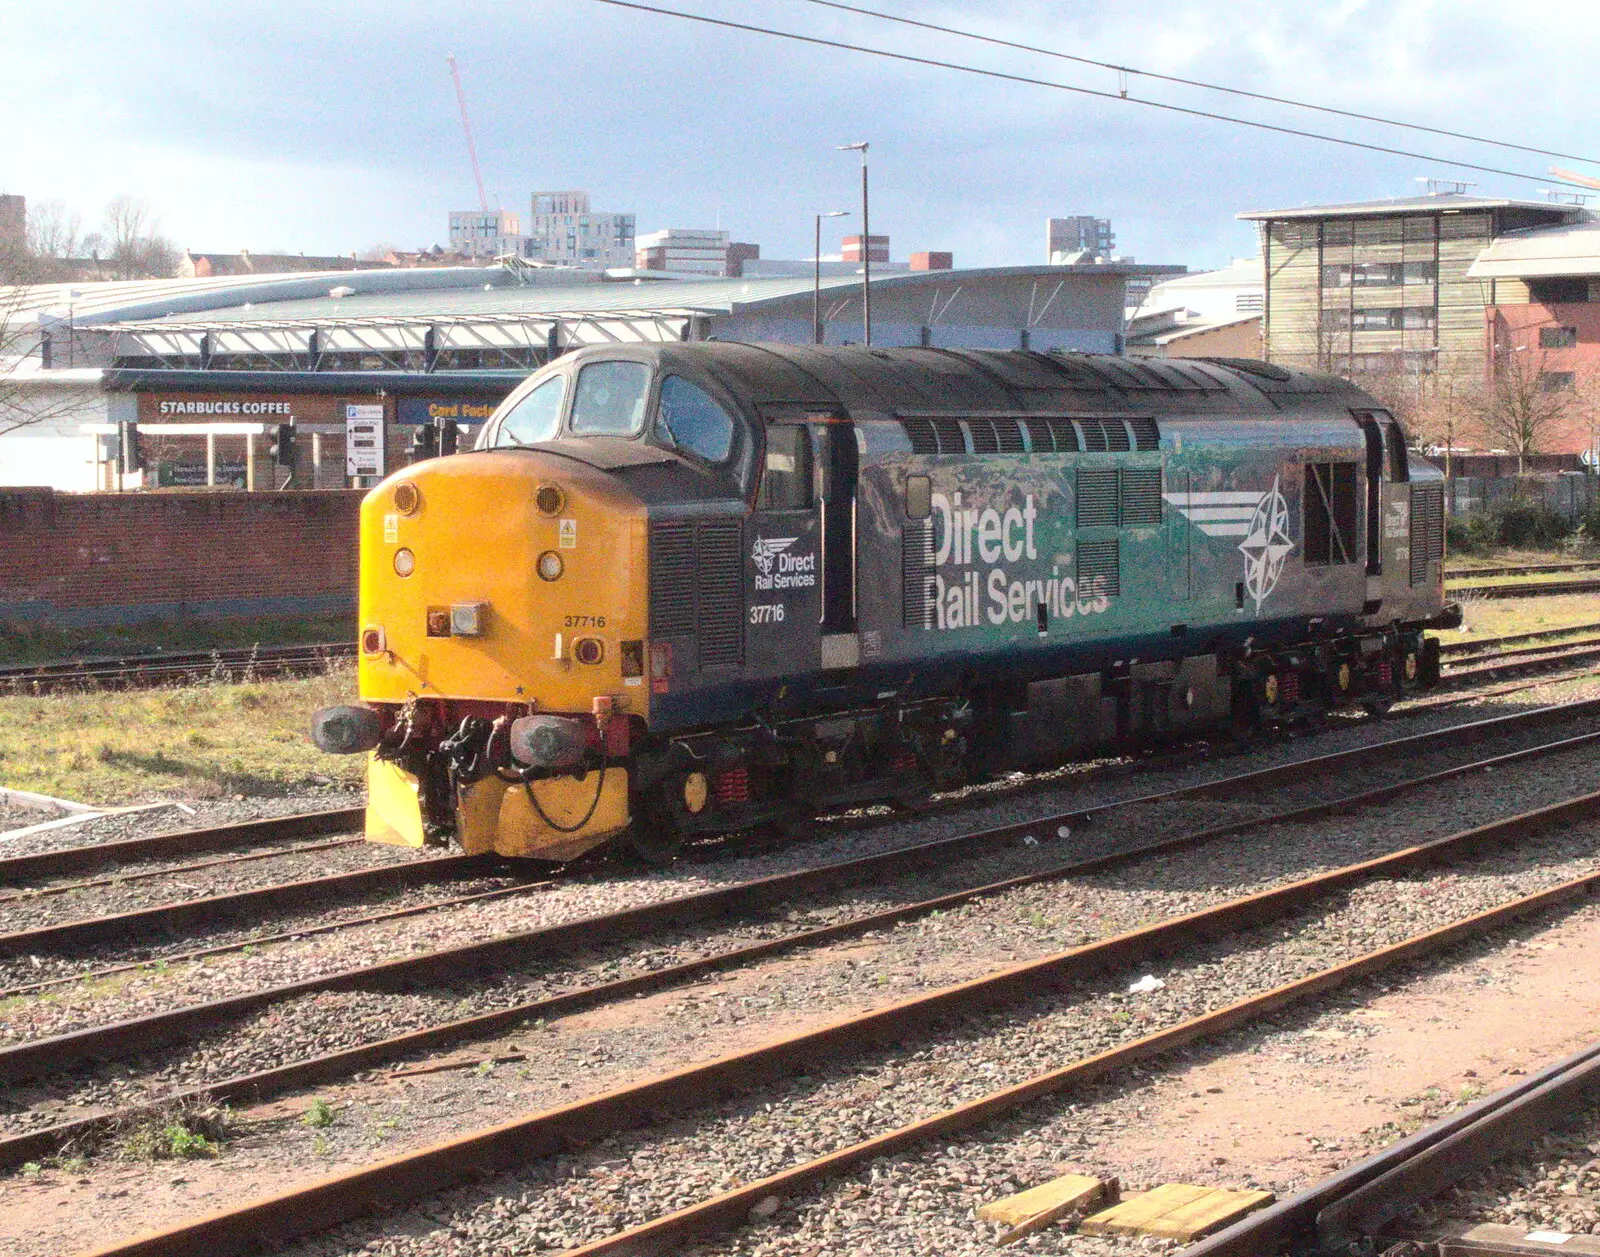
1030 81
1210 87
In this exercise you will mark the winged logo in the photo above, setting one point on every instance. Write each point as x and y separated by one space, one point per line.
1261 519
766 549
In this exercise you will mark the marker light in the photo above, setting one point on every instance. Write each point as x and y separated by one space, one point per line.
551 566
549 499
404 562
407 498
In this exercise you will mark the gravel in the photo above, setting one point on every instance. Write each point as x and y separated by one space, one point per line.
1027 922
1552 1186
117 827
626 1179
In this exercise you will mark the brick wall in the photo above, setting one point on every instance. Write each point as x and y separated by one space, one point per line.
89 559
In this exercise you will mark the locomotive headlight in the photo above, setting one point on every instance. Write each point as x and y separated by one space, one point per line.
467 618
404 562
551 566
549 499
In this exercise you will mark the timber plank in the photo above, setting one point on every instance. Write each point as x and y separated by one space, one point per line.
1066 1193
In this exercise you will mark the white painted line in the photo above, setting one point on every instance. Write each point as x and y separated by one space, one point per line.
27 798
62 822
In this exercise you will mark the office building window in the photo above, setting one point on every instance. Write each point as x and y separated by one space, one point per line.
1557 337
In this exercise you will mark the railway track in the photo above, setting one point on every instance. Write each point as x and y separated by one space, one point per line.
143 671
119 1040
1519 569
1525 589
1489 645
166 916
1358 1202
1012 991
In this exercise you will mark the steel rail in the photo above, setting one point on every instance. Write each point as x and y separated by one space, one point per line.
256 1087
1496 643
1526 589
1373 1190
184 913
727 1210
35 893
1502 1129
1518 569
398 1180
136 671
1570 657
179 842
1533 651
263 940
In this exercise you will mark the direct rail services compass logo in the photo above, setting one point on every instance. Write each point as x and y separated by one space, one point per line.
766 549
1262 519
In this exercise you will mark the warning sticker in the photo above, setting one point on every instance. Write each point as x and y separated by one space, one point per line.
391 528
569 534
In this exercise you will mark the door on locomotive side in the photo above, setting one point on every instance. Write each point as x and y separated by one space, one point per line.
1388 504
787 558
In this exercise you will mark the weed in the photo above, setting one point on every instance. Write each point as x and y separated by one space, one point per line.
32 1169
320 1146
176 1136
320 1114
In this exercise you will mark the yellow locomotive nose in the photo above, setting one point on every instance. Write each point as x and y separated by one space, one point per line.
496 585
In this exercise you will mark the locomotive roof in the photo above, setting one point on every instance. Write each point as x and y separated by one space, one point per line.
776 377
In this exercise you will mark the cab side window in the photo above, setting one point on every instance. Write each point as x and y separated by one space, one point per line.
786 478
537 417
690 419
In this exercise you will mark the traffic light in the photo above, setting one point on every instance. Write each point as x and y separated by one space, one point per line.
449 436
424 442
129 457
282 445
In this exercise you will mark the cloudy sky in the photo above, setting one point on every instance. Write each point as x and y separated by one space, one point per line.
331 126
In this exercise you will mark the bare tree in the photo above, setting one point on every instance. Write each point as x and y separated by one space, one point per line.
54 232
131 243
1523 404
23 403
378 252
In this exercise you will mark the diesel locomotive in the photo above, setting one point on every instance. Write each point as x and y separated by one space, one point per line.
684 588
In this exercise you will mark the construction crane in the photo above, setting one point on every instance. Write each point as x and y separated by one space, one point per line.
1583 181
466 125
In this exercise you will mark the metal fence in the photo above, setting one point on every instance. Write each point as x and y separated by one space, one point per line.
1570 496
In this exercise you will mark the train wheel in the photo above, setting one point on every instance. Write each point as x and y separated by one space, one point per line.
654 844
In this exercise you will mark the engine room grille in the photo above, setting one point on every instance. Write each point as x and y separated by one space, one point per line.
719 612
1427 528
935 436
1099 568
672 578
1053 436
916 574
1141 497
697 586
1146 435
1097 498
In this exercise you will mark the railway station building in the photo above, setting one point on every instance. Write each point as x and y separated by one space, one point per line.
201 374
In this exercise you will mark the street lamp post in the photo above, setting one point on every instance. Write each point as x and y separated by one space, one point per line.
866 245
816 277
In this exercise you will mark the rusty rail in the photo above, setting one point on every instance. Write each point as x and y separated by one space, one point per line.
398 1180
179 842
118 1039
